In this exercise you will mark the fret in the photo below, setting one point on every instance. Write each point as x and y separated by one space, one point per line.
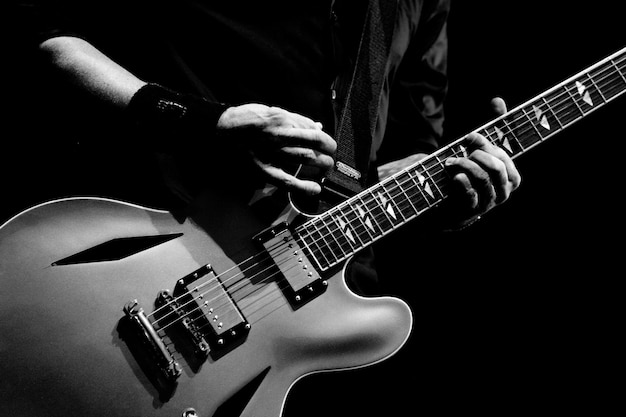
459 151
412 191
452 150
533 138
564 105
517 125
393 201
513 147
613 83
545 123
330 239
419 187
349 231
322 244
595 86
589 95
368 216
377 225
377 205
438 160
354 227
498 138
314 249
612 88
427 180
618 70
374 223
585 108
367 227
552 112
341 237
492 137
541 120
440 176
573 98
403 202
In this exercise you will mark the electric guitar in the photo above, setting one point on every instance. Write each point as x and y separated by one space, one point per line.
112 309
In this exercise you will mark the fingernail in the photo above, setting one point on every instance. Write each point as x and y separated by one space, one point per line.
450 160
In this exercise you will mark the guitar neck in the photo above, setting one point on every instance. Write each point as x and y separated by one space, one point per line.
361 220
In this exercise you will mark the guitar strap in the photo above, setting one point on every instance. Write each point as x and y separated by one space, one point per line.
357 121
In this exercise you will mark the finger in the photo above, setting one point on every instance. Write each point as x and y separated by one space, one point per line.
478 178
304 138
497 172
281 178
475 141
464 193
305 156
498 105
513 176
282 117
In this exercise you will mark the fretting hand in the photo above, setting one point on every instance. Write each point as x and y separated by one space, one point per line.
483 179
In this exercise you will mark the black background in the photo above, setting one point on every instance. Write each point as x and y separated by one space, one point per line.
521 313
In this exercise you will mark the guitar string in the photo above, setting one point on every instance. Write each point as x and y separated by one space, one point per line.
407 207
526 122
270 277
409 201
611 66
400 207
222 291
576 99
557 112
322 236
217 278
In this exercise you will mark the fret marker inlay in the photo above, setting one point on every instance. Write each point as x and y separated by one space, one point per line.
504 141
346 230
541 118
582 91
387 205
425 185
365 218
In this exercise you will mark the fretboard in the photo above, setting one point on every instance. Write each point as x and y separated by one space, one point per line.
337 234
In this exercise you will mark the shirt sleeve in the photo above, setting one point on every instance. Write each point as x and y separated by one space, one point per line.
416 114
110 26
39 20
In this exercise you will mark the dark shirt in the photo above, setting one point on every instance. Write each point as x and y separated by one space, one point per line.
294 55
291 54
278 52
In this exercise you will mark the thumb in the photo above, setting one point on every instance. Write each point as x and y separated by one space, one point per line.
498 105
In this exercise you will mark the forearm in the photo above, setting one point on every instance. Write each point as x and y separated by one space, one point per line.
90 70
158 113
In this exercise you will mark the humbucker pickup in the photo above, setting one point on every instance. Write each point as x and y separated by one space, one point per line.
207 312
304 282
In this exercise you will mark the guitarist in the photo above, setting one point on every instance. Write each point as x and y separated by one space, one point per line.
152 100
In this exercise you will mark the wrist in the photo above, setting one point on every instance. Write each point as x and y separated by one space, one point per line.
172 119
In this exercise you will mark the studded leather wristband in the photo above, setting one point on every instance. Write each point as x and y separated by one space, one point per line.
170 120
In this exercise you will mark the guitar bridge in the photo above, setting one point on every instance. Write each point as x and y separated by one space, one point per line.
142 331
